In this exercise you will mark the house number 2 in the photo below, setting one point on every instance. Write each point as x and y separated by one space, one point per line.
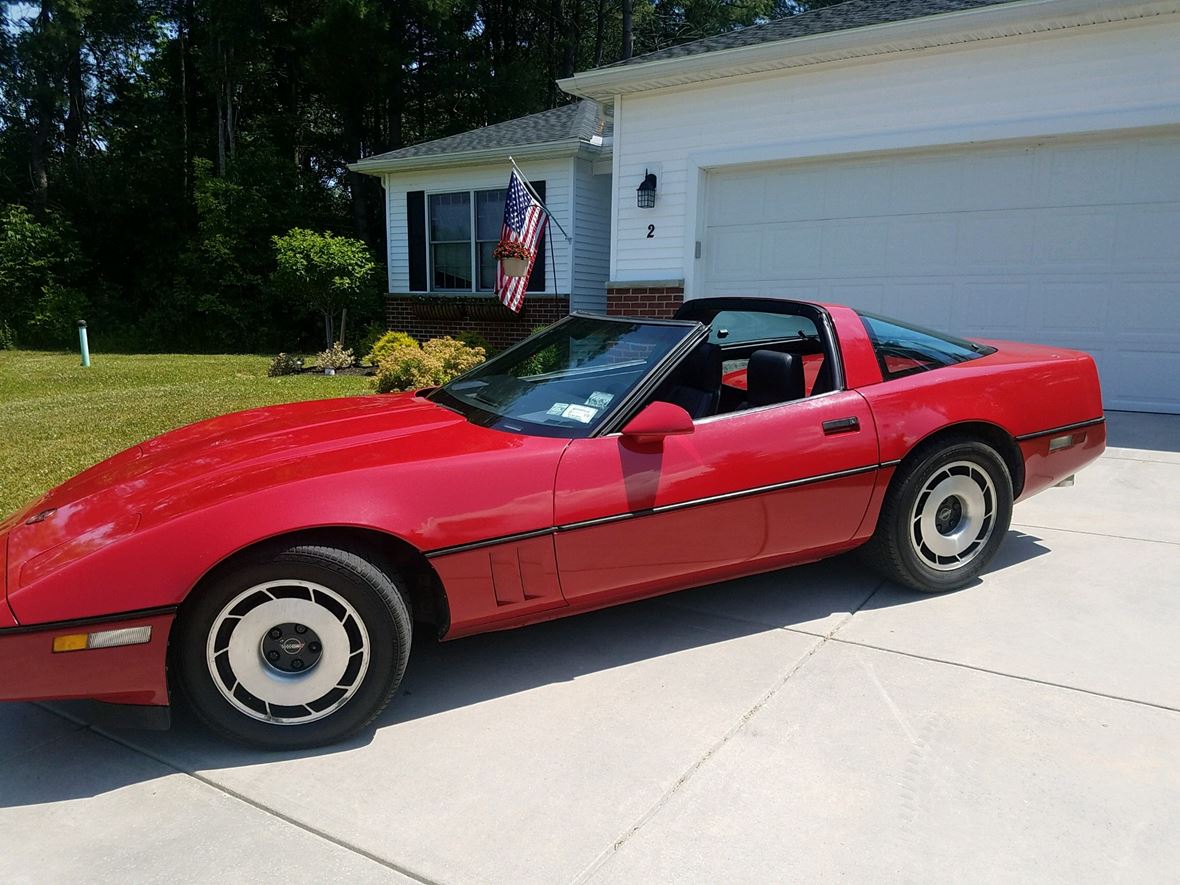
651 231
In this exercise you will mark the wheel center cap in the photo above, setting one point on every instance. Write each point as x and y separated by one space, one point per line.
291 645
291 648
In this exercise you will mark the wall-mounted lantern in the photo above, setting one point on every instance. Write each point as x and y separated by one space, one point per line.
645 196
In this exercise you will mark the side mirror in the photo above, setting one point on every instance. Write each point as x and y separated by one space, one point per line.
657 420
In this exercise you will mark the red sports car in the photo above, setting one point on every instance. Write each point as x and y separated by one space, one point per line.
270 564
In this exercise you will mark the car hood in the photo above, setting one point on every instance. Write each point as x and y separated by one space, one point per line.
231 455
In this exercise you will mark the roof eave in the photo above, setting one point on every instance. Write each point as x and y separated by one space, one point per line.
1007 19
566 147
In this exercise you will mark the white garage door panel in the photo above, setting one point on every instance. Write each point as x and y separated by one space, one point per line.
1069 243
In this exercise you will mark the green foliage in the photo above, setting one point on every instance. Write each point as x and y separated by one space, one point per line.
160 146
473 339
335 357
284 364
369 337
547 359
387 343
40 269
321 271
409 367
7 337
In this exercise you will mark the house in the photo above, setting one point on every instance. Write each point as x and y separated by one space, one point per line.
999 170
445 206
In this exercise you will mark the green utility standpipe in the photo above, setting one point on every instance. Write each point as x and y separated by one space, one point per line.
83 343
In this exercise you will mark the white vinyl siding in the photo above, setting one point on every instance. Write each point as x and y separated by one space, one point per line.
591 235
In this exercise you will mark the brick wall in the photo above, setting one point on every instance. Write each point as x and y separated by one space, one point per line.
433 317
643 301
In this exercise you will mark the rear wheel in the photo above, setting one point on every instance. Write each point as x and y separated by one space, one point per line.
944 517
298 649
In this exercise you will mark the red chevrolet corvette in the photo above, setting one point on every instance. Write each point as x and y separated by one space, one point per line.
270 564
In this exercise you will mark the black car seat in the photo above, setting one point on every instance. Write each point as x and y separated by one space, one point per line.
773 377
695 386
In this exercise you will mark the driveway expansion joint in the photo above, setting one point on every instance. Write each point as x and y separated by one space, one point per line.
595 865
1044 682
245 800
1053 528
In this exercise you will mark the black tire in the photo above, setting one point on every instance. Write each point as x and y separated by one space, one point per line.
909 539
222 643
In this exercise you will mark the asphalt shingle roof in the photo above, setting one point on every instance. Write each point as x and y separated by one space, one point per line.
582 120
841 17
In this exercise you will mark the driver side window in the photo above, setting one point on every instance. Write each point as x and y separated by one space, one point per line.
751 359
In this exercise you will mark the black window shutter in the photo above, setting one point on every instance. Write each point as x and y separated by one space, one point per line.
540 269
416 239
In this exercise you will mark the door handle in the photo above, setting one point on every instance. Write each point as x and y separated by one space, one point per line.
841 425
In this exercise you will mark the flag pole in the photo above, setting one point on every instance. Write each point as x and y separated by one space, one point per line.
553 261
544 208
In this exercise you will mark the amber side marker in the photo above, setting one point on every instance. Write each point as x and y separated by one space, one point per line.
102 639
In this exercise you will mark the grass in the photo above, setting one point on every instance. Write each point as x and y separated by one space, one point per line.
57 418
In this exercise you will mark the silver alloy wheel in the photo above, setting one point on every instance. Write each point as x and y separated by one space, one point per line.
953 515
287 652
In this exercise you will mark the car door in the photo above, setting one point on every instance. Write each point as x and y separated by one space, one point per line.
744 492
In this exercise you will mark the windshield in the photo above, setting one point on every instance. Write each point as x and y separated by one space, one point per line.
567 380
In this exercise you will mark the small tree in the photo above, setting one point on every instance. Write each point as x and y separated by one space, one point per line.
325 272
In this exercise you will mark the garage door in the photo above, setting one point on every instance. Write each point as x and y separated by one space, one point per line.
1073 243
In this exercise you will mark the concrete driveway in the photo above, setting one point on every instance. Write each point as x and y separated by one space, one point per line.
814 723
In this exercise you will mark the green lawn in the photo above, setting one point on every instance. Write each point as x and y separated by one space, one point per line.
57 418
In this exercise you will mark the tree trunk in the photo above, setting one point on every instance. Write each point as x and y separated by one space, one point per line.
599 31
357 183
627 41
42 122
184 33
75 93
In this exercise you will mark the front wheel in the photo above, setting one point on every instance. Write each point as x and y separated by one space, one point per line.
298 649
944 517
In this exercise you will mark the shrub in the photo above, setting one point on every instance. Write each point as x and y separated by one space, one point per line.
7 337
325 272
41 273
335 357
284 364
436 362
474 339
387 344
547 359
370 336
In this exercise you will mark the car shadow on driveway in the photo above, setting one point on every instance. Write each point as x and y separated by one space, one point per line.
72 761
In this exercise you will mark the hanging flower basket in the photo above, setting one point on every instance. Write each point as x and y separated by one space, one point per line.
515 267
514 257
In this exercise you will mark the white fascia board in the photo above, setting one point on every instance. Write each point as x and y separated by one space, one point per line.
566 147
965 26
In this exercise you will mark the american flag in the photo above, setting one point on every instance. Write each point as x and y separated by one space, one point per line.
524 219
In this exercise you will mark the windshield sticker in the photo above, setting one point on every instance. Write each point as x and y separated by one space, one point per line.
599 400
585 414
557 408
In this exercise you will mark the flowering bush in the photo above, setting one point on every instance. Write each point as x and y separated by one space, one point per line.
511 249
408 367
335 357
284 364
387 343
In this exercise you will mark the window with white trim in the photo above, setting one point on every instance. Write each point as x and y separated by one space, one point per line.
464 228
